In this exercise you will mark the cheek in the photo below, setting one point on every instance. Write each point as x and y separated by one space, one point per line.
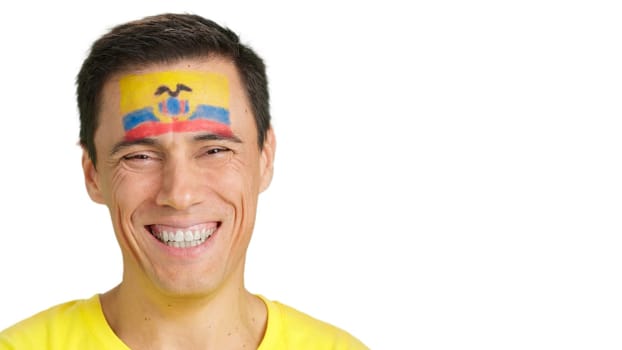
237 179
129 189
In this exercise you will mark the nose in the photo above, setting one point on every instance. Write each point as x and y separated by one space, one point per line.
180 186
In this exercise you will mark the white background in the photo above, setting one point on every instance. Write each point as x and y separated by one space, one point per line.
448 173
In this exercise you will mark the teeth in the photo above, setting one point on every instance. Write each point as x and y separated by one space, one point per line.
188 236
187 239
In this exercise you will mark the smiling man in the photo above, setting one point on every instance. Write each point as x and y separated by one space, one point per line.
177 142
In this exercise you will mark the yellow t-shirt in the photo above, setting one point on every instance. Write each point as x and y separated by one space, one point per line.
81 325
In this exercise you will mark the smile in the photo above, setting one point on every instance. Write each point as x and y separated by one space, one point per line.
182 237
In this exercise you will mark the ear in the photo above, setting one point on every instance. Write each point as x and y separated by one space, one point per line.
266 163
91 178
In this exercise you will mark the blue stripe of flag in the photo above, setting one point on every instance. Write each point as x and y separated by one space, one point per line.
218 114
132 119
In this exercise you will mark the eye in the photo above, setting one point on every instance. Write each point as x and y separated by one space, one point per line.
216 150
139 156
141 161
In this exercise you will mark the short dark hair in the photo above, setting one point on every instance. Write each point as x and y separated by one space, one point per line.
162 39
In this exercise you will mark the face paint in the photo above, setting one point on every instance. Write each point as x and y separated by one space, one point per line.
157 103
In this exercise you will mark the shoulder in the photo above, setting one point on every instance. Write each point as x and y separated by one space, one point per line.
38 327
289 328
63 326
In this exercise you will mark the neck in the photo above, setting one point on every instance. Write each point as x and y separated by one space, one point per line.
145 318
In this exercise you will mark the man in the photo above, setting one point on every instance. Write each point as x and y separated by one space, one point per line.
177 142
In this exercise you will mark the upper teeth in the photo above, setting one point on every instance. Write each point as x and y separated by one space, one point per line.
182 239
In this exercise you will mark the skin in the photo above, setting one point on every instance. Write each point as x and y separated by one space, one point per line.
172 298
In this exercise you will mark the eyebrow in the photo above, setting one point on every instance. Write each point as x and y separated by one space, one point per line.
217 137
119 146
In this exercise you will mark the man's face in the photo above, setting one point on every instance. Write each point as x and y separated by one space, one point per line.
180 171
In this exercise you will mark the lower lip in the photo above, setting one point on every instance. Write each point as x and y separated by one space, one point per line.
188 252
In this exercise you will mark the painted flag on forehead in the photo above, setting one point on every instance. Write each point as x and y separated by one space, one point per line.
156 103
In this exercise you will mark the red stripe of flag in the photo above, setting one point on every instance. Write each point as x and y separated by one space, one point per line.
149 129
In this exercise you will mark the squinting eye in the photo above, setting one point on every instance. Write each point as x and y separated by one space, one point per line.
137 157
140 157
216 150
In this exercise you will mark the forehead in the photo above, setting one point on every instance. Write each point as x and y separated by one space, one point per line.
156 103
180 96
